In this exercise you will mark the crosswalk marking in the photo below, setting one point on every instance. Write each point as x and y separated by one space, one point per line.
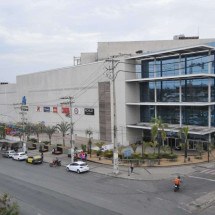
208 171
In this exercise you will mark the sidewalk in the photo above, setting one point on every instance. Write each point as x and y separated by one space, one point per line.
139 173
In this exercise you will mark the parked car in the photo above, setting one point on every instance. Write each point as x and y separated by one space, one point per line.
78 167
37 159
20 156
8 154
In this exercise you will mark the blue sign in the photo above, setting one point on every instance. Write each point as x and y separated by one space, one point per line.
23 100
46 109
127 153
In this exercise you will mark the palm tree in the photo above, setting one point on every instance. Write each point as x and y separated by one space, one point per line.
2 131
28 130
158 133
89 132
50 130
38 129
183 133
63 127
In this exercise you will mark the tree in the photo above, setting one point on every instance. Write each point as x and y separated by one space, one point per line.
2 131
50 130
89 132
29 130
99 145
183 133
38 129
158 133
7 207
134 146
63 127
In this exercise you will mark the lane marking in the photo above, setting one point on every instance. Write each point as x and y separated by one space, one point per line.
140 191
208 171
207 179
185 209
159 198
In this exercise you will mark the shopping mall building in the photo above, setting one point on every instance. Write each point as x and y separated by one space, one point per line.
171 79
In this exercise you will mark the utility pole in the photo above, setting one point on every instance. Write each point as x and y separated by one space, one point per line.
70 102
115 144
23 109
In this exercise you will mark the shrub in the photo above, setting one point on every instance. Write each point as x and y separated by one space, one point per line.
108 154
198 157
46 142
84 147
168 156
33 140
136 155
7 207
152 156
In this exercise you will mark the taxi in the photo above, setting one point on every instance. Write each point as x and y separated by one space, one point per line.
36 159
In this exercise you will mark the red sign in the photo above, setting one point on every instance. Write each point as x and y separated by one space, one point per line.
54 109
65 110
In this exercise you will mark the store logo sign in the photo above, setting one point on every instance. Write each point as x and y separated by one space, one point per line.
89 111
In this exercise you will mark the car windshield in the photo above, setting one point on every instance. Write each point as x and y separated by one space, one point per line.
83 164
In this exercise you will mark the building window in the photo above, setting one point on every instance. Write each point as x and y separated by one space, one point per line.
168 91
147 113
169 114
195 116
147 92
195 90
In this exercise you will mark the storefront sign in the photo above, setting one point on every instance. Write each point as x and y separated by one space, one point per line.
46 109
89 111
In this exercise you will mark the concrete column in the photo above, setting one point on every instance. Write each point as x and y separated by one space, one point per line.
155 90
180 92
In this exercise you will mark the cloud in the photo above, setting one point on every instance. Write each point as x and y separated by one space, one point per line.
42 34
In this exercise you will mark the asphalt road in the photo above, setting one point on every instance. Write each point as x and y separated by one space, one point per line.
41 190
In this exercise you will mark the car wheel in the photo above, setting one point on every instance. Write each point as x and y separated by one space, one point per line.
78 171
67 169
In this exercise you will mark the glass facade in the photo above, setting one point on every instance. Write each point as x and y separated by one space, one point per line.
147 113
195 115
169 114
192 89
168 91
193 64
147 92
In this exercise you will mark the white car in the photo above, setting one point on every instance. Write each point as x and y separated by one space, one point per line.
20 156
78 167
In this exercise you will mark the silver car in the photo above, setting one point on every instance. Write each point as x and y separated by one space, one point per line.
8 154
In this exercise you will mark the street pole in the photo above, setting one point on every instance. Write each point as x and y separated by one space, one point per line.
70 98
115 144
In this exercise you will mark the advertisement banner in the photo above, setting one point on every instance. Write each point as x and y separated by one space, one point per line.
65 110
89 111
38 109
46 109
76 111
54 110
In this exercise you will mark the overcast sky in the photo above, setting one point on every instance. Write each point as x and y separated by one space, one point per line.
37 35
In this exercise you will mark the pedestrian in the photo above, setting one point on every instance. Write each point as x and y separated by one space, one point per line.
132 168
42 156
85 156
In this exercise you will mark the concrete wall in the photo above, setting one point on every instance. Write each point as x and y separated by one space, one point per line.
46 89
106 49
89 57
8 96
